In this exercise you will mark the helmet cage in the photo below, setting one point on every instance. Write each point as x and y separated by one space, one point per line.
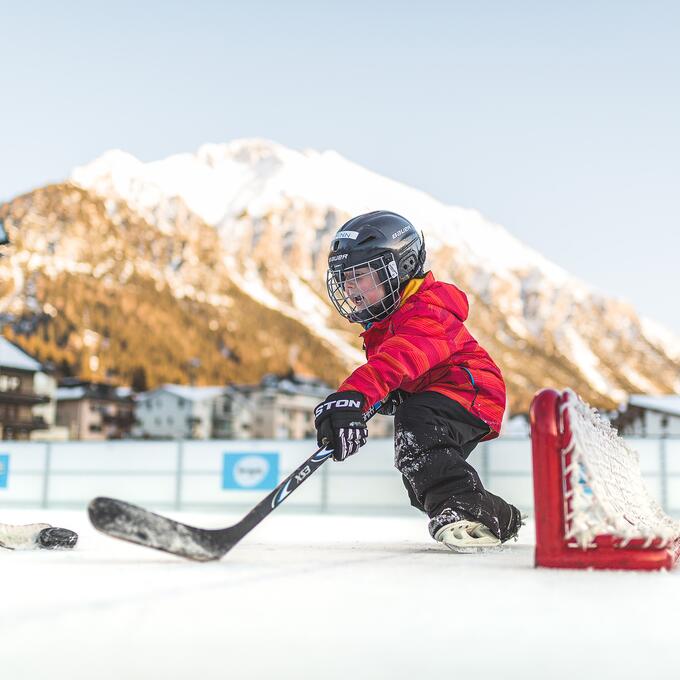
367 291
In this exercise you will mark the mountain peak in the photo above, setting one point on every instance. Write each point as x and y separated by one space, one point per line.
221 181
251 220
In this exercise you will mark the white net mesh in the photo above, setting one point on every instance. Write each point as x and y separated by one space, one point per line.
604 491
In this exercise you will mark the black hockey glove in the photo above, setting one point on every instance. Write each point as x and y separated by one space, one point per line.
340 424
391 402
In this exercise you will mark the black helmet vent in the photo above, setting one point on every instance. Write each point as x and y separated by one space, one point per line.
408 265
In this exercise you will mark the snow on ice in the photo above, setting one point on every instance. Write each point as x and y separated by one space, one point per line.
324 597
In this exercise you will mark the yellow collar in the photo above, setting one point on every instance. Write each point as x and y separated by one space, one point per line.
411 287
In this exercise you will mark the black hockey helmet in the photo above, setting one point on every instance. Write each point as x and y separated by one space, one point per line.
372 257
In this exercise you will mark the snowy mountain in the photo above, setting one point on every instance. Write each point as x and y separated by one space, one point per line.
276 208
273 211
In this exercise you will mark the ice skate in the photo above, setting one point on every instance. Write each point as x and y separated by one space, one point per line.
466 536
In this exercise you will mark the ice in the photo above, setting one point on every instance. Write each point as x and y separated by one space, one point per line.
324 596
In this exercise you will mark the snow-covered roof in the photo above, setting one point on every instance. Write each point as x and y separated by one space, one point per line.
13 357
69 393
186 392
294 385
290 387
669 403
96 391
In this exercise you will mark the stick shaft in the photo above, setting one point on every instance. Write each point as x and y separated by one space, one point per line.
292 482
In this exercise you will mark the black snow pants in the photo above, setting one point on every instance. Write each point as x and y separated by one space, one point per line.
433 437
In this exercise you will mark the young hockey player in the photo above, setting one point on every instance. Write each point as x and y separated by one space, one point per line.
443 389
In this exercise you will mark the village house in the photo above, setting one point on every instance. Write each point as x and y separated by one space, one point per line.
18 396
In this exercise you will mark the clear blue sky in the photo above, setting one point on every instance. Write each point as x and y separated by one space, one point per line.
559 120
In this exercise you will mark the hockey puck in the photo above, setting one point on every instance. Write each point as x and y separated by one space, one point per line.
54 537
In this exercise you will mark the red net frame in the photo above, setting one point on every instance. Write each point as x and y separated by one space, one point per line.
555 546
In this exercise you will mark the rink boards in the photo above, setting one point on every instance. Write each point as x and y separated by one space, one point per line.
236 474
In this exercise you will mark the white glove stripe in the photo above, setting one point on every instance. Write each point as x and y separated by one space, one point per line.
345 443
356 441
350 440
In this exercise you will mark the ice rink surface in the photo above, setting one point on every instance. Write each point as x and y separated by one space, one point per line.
325 597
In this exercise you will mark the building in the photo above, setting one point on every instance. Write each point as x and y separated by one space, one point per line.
234 414
282 407
649 416
177 412
18 396
276 408
45 383
94 411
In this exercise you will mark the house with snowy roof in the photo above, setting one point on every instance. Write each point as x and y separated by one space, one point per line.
18 395
177 412
282 407
94 410
649 416
278 407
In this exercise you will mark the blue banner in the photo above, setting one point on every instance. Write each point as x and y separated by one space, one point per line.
4 470
252 471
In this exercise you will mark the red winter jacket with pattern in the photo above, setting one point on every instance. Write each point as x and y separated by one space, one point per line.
424 347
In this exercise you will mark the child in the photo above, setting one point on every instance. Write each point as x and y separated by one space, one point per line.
443 389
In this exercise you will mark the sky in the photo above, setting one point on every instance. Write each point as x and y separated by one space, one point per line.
559 121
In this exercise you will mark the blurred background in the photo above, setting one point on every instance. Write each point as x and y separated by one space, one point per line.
172 175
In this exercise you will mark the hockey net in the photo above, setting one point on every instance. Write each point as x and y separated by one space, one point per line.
592 506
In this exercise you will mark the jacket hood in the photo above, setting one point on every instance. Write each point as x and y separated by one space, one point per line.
440 294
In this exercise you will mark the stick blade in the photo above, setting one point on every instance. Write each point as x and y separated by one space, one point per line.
21 536
134 524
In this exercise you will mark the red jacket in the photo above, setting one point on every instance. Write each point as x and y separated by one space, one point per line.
424 347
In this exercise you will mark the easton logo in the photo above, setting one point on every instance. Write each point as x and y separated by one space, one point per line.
397 234
338 403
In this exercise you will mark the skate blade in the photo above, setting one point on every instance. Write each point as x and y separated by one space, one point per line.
474 549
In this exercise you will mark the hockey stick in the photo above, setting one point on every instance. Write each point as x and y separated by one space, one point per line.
134 524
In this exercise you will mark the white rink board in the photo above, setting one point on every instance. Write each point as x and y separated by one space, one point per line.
325 597
189 474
